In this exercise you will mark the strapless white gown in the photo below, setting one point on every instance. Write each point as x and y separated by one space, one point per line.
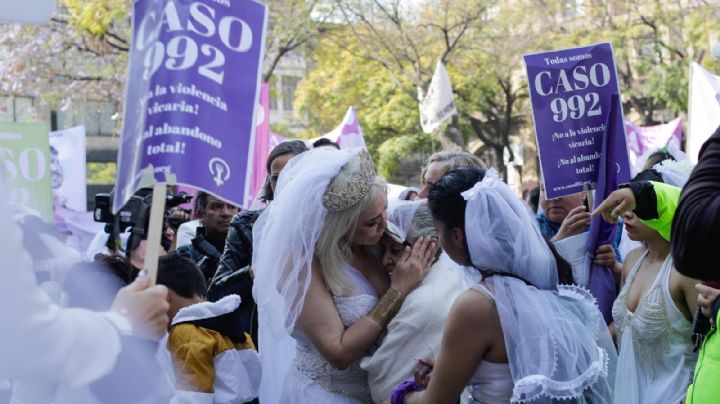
313 379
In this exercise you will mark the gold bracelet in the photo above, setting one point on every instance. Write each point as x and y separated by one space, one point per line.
387 307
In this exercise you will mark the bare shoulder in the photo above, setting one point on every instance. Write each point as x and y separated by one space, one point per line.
474 324
317 280
473 306
683 292
631 259
685 282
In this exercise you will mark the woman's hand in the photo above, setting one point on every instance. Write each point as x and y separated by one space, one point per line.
617 203
577 220
605 256
145 306
413 265
706 298
422 372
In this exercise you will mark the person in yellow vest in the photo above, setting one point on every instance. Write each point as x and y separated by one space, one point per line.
214 359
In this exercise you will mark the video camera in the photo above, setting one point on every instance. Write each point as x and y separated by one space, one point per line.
135 213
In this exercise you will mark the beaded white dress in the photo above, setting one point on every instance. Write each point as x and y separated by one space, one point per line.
313 379
656 360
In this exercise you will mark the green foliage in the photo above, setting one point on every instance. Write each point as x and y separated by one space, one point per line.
96 16
654 43
393 150
341 79
378 57
101 173
280 129
374 55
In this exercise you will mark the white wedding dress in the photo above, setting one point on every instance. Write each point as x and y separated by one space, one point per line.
313 379
656 360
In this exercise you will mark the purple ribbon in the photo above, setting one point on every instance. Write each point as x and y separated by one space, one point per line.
398 394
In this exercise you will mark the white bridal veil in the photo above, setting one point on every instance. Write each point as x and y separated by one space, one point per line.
284 240
400 218
558 345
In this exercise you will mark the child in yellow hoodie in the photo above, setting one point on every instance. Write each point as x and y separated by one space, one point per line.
214 360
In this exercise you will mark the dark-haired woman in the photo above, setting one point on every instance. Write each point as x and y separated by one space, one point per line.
516 336
653 315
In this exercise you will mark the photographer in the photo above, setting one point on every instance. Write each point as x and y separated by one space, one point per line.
127 230
207 246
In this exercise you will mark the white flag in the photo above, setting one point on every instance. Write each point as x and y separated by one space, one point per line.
438 104
348 134
704 108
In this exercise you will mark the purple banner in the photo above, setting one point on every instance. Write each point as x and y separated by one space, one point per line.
192 90
602 281
262 146
571 92
643 139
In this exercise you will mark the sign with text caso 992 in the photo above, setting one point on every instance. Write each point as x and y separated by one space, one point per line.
25 153
571 92
193 86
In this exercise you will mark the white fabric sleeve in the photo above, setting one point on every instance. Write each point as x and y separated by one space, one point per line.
192 397
237 376
394 360
573 250
39 340
186 232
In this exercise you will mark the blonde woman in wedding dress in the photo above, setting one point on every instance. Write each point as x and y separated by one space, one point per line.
322 293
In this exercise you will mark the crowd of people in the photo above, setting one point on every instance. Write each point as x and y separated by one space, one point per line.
458 291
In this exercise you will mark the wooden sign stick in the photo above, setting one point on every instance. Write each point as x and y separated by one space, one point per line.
157 216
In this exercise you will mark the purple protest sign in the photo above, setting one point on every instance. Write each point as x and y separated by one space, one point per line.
193 87
571 92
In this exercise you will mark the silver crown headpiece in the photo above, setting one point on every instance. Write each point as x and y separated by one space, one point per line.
335 199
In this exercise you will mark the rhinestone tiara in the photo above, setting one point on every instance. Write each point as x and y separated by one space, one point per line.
335 199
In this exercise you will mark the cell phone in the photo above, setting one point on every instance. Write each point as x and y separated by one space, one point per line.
587 204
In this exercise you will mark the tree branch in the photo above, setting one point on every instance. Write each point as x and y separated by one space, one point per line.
79 77
658 39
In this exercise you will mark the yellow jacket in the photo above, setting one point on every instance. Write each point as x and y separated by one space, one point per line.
213 362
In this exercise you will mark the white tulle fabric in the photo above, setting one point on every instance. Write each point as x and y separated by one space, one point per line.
672 149
674 173
401 215
284 239
557 343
